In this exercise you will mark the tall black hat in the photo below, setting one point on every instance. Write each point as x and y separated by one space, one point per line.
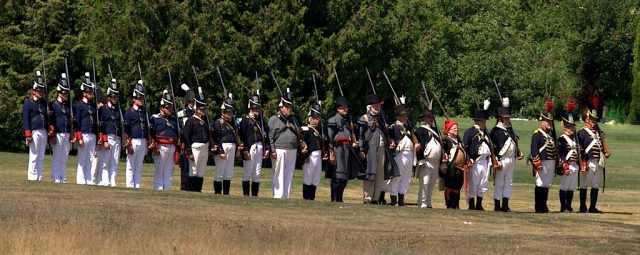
341 101
189 95
199 99
87 85
38 82
567 119
286 98
227 103
112 90
316 110
373 99
547 115
504 110
138 90
167 99
254 100
482 113
63 84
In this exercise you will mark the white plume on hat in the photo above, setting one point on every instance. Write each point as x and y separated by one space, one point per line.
184 87
505 102
64 76
486 105
403 99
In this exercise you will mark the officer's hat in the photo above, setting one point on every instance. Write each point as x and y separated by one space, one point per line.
482 113
254 100
189 96
138 89
227 103
341 101
547 115
112 90
593 110
373 99
316 110
427 113
504 111
567 119
199 99
38 82
167 99
63 84
286 98
87 85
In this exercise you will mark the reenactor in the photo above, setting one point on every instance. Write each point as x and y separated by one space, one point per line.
183 116
458 164
137 131
285 139
314 137
164 132
225 139
477 144
34 126
569 152
111 135
98 154
86 130
401 133
197 139
506 150
544 158
253 134
60 131
429 156
595 152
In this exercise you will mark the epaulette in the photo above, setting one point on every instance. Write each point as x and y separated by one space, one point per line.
536 131
157 115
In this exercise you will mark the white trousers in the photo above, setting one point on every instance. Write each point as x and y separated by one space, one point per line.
312 169
479 178
37 149
109 159
400 185
133 176
283 167
253 166
593 177
60 156
224 167
198 164
96 157
504 178
85 159
163 165
570 182
428 177
544 177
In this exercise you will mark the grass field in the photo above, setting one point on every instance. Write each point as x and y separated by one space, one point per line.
44 218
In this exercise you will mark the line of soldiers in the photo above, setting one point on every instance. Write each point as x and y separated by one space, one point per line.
381 153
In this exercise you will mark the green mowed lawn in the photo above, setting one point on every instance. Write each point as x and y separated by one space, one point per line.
47 218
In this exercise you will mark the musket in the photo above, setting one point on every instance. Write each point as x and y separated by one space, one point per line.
399 101
293 119
200 93
122 134
234 126
515 137
261 111
66 68
95 97
370 80
354 140
119 106
321 124
46 87
276 81
429 105
152 145
175 110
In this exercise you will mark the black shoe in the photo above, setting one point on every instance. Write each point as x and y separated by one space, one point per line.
479 204
563 200
255 188
305 191
583 201
226 187
217 187
568 201
334 190
198 184
505 204
496 205
538 197
594 200
401 200
456 200
246 185
342 184
190 179
312 192
381 200
394 200
472 204
545 198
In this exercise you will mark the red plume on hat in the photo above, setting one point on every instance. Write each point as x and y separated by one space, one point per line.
570 106
595 101
549 106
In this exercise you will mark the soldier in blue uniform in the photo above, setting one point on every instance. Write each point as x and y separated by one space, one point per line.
85 130
34 125
225 138
401 132
164 132
570 158
595 154
253 134
183 115
137 130
428 157
197 139
110 135
476 142
344 163
506 150
314 136
544 156
60 131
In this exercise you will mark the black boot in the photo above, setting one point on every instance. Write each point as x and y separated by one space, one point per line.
312 192
472 204
381 200
342 184
496 205
401 200
198 184
479 204
455 196
537 196
594 200
246 185
505 204
226 186
545 198
184 173
394 200
305 191
563 202
568 201
334 190
217 187
255 188
583 201
190 179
